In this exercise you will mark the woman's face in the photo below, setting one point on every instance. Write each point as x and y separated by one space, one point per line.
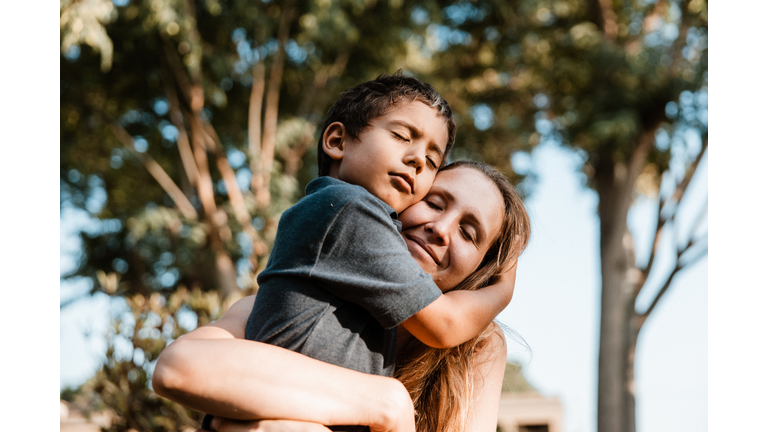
451 229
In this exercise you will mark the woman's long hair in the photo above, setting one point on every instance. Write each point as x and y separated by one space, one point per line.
440 381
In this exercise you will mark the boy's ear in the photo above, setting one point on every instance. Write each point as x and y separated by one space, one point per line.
334 139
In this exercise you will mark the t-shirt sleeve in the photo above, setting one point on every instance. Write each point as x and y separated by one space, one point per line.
364 260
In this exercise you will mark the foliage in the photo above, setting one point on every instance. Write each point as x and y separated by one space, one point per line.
187 127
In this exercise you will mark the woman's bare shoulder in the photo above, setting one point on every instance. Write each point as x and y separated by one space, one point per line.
231 325
493 346
240 308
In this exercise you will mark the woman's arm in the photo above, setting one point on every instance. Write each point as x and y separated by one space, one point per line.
228 425
212 370
489 365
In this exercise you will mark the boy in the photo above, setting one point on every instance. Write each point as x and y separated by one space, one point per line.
340 278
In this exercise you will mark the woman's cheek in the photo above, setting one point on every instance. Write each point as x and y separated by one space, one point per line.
467 259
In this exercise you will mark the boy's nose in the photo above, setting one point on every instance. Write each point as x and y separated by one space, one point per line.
417 161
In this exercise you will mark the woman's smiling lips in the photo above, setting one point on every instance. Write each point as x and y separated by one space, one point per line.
403 182
423 247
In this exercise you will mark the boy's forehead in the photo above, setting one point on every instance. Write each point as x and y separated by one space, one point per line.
416 114
424 121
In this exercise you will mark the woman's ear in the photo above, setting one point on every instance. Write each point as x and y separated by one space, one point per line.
333 140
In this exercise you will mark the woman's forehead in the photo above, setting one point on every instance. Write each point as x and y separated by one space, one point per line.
471 191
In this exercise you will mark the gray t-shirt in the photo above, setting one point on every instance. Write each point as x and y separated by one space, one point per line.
339 280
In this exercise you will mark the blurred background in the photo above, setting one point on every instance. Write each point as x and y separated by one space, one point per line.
188 126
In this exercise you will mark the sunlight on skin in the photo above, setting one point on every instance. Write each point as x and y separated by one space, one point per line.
555 310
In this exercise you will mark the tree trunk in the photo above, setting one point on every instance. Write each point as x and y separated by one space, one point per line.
615 408
619 324
616 400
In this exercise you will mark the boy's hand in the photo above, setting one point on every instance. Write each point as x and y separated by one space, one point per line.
506 279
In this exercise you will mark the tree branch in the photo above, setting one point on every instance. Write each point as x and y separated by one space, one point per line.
163 179
608 19
678 266
205 139
679 44
660 222
674 200
182 142
254 125
174 63
683 185
700 218
702 253
196 95
155 170
270 111
217 220
205 183
644 316
233 191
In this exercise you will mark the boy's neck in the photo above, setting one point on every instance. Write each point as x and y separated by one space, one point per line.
334 171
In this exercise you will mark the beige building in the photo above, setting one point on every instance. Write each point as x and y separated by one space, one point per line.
523 409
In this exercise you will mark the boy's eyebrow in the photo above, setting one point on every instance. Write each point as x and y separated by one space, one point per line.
436 148
416 132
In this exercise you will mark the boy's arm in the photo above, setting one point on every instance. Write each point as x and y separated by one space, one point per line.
210 370
457 316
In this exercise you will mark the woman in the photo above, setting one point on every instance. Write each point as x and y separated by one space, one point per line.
467 231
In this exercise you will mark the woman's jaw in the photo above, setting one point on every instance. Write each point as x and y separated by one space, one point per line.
449 232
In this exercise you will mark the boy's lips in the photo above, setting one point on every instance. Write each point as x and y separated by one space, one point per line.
403 181
423 246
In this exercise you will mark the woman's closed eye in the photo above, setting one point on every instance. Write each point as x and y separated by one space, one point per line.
468 233
433 204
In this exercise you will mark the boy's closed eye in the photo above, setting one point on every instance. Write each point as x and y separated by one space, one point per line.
432 162
401 137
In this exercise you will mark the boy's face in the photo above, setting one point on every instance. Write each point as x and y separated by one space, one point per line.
395 158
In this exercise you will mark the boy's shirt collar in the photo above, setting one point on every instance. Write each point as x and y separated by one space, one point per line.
325 181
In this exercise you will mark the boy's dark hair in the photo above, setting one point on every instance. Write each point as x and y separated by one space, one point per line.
358 106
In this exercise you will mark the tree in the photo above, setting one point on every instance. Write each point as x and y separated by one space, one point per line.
623 83
186 129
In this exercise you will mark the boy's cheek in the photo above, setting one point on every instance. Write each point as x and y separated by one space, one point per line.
408 221
416 198
425 184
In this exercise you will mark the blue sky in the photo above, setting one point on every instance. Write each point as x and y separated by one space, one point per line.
555 310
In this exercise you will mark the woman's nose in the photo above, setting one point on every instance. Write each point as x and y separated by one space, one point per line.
440 232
